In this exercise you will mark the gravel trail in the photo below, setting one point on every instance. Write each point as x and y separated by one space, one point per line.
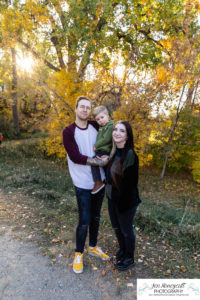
25 274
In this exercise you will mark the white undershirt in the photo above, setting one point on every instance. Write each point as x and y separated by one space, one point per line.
81 174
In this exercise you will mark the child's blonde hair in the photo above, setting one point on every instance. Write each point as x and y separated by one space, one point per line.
100 109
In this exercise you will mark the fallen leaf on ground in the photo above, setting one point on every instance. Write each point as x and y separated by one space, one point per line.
183 270
55 241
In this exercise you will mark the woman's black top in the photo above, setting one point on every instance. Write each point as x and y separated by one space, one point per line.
122 180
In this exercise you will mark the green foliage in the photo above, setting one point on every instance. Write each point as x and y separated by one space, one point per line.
196 167
38 178
20 149
185 147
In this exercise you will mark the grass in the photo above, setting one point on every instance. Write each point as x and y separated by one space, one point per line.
41 201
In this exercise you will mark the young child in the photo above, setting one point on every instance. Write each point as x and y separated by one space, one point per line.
103 143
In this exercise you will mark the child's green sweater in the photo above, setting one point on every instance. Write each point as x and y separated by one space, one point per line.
104 137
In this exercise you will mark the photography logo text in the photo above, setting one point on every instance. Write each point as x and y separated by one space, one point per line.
168 289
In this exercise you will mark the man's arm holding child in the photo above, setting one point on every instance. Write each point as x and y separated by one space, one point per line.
73 151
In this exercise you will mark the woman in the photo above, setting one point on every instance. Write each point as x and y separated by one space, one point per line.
122 192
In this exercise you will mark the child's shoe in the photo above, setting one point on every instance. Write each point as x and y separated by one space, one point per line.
98 185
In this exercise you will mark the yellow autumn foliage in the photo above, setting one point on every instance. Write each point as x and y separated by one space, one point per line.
162 74
141 130
196 168
64 92
53 146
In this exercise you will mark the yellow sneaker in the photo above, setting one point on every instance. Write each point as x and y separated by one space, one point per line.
96 251
78 262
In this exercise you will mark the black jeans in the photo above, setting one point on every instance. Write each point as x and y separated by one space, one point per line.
89 208
95 170
122 223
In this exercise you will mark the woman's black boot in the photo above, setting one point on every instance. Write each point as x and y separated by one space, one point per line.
126 262
119 255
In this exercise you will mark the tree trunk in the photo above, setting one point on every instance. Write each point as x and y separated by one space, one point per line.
14 92
178 111
194 95
190 95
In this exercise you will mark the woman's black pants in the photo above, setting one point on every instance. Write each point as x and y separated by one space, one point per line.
122 223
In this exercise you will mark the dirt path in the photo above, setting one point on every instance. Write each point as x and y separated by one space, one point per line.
26 274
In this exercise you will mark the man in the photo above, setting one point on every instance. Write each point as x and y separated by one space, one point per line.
79 139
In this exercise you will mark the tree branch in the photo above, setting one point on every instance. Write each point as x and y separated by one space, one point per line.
55 41
36 55
59 97
178 111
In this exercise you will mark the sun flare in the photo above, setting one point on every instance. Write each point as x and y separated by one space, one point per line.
25 63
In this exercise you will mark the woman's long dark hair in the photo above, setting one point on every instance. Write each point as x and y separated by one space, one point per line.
129 142
128 145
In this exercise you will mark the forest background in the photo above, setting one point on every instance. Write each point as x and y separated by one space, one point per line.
141 59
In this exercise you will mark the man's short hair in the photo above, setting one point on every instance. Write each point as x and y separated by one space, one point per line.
100 109
82 98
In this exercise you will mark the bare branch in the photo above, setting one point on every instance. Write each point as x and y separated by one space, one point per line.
178 111
36 55
59 97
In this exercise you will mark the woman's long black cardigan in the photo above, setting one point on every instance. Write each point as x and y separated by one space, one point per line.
123 187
